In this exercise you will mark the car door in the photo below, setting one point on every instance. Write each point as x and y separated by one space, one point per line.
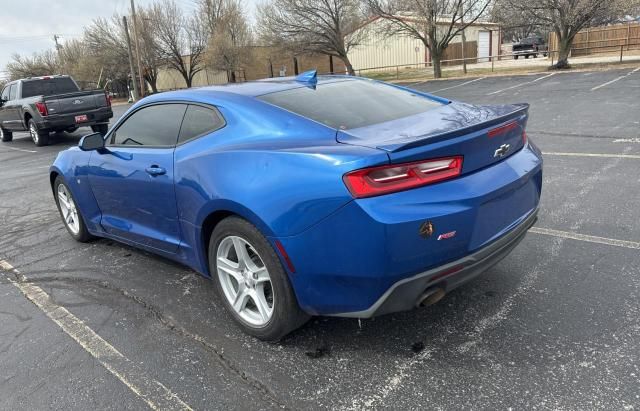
9 114
133 179
4 109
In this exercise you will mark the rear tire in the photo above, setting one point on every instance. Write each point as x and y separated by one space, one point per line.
515 57
257 285
100 128
39 137
71 216
5 135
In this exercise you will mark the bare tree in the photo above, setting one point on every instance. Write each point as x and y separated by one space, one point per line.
40 64
515 23
150 54
105 40
319 26
567 17
181 39
229 35
434 22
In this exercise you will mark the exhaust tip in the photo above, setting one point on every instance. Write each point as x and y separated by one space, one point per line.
430 297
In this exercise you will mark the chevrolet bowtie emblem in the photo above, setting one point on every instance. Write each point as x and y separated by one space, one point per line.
502 151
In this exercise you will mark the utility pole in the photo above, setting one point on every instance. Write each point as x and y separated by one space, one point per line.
135 38
58 49
133 72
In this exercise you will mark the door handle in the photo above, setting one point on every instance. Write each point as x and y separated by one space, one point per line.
155 171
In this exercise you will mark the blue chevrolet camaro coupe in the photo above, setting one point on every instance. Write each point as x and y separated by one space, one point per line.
309 195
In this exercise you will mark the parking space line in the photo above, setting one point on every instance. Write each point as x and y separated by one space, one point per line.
615 79
588 238
154 393
19 149
521 84
628 156
459 85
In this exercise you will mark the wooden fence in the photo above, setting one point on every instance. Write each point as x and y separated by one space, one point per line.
454 52
605 39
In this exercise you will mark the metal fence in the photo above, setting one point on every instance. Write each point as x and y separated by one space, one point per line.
397 70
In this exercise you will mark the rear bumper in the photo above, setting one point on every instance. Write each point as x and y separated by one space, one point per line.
349 261
64 121
406 294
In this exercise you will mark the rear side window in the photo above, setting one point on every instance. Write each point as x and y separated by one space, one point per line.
48 87
199 121
351 103
154 126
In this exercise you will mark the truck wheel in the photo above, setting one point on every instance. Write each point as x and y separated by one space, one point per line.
515 57
100 128
526 56
5 135
39 137
251 282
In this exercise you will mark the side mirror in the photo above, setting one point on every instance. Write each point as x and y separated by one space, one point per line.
91 142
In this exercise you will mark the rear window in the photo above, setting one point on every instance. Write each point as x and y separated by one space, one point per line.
48 87
351 104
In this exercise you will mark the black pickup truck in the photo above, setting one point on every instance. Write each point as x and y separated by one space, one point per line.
42 105
530 46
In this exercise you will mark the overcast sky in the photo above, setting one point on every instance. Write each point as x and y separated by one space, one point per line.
28 26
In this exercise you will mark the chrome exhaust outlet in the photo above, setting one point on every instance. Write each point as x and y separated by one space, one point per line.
430 297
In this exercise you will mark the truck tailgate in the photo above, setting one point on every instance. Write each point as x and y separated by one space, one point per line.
75 103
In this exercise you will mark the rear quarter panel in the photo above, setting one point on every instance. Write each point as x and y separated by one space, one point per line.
280 172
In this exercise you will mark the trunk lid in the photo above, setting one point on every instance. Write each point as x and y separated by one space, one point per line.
483 135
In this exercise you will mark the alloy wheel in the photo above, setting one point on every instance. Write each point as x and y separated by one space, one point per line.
34 133
245 280
68 210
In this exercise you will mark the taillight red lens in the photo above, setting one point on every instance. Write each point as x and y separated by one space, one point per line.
375 181
42 108
108 97
502 129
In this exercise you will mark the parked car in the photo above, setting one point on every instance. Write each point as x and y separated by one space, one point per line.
530 46
47 104
303 196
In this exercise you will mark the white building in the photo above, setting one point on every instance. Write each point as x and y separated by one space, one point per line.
482 40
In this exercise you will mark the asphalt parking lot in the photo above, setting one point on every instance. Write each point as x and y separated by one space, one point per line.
556 325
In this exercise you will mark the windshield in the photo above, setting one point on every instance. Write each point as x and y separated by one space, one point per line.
48 87
352 103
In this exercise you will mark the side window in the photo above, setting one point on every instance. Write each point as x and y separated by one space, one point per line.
156 125
199 121
5 93
13 92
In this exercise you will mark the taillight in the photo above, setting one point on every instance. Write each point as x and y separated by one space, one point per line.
387 179
108 97
42 108
502 129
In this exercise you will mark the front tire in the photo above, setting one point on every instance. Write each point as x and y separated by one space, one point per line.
39 137
5 135
251 281
100 128
71 217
